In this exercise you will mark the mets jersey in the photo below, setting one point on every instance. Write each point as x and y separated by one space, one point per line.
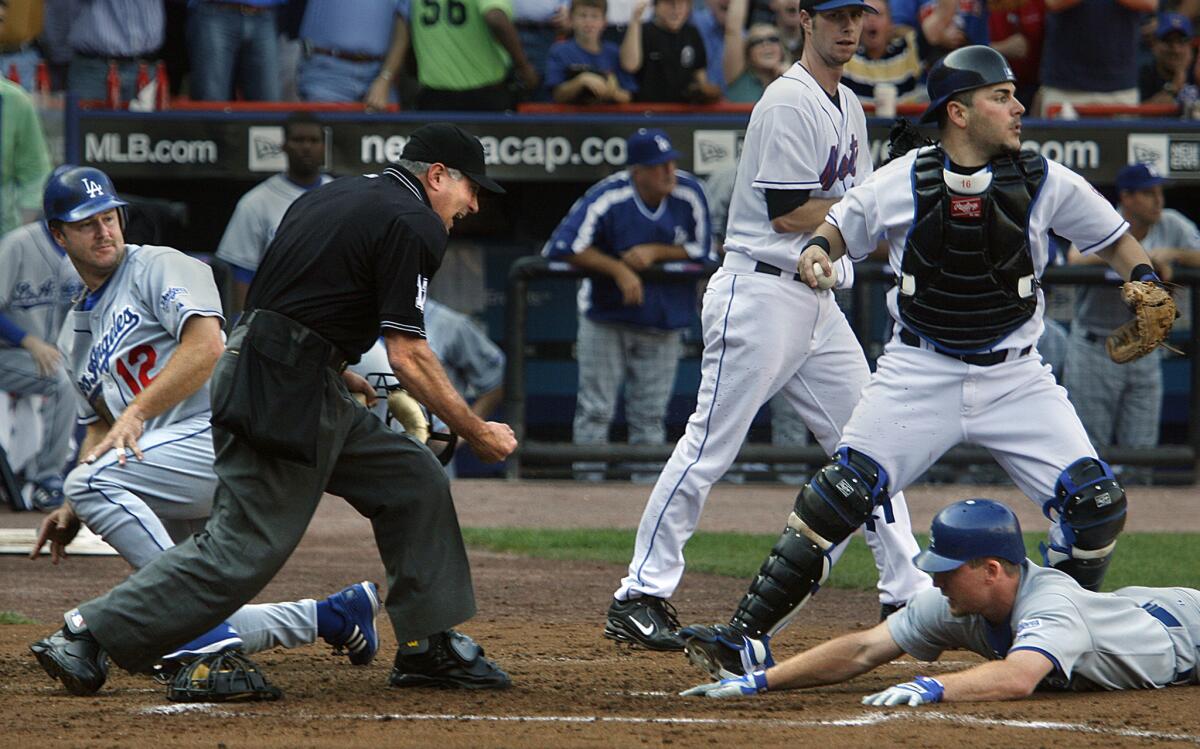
612 218
1133 638
797 139
120 336
37 282
1067 204
256 217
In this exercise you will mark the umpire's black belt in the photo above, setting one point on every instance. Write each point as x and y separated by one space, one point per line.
335 358
909 338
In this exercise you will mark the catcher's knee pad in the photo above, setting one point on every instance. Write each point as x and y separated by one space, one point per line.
1090 504
832 505
840 497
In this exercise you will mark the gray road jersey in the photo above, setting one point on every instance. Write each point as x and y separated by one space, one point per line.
1130 639
473 363
120 344
37 281
1099 309
255 219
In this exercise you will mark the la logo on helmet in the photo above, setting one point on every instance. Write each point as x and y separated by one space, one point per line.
93 188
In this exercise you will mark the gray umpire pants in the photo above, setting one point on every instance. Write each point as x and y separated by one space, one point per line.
262 508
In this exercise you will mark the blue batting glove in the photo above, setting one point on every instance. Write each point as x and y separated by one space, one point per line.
743 686
920 691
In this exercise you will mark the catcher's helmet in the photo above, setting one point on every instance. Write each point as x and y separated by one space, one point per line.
75 193
971 529
962 70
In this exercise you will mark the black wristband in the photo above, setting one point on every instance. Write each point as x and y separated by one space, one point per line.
1143 272
821 242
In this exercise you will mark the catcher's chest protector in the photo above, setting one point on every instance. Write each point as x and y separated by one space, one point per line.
967 275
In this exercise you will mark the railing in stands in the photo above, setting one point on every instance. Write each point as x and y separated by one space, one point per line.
867 274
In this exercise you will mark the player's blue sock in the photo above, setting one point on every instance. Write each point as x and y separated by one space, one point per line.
329 622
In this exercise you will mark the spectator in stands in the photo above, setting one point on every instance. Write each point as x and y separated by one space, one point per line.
586 69
24 158
1161 81
258 213
785 14
887 53
712 22
20 55
630 330
57 16
125 32
667 56
352 51
1121 403
464 54
540 24
225 38
617 17
1090 52
765 60
1017 28
944 25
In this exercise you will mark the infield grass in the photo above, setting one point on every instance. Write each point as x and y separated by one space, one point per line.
1153 559
12 617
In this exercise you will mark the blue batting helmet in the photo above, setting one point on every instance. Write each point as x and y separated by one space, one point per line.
971 529
962 70
75 193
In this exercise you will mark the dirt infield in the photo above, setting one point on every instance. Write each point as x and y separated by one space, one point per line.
542 621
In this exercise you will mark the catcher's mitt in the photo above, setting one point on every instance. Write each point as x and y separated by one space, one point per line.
904 137
221 677
1153 314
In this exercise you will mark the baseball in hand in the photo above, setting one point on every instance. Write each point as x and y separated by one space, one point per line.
824 281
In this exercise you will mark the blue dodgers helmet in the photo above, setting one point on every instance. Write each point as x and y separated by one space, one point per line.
971 529
962 70
74 193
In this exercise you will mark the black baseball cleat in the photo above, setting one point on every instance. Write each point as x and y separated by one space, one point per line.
453 660
647 621
724 652
76 660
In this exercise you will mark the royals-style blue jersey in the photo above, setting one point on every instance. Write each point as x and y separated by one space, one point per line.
612 218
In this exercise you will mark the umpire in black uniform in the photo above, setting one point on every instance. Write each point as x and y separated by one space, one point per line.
348 259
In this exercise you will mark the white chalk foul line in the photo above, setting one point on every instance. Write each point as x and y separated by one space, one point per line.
865 719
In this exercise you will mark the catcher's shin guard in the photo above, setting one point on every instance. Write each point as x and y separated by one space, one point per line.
833 504
1090 504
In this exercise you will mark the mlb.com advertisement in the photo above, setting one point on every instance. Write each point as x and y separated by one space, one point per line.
573 148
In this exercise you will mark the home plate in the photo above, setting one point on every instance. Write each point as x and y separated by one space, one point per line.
20 541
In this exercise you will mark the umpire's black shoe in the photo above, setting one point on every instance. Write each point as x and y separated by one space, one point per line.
647 621
76 660
451 660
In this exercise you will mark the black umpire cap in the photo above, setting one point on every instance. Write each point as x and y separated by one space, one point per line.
443 143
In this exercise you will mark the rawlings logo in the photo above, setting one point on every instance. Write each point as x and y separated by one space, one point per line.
836 170
844 487
1103 500
122 324
971 208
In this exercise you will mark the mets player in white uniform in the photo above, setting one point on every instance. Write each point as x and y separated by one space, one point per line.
37 283
967 225
140 346
1036 626
765 332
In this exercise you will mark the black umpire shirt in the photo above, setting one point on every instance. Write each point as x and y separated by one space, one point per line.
353 256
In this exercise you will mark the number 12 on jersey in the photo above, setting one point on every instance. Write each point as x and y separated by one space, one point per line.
141 358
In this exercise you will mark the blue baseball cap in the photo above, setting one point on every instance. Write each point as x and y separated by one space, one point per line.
971 529
649 146
816 6
1138 177
1173 23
